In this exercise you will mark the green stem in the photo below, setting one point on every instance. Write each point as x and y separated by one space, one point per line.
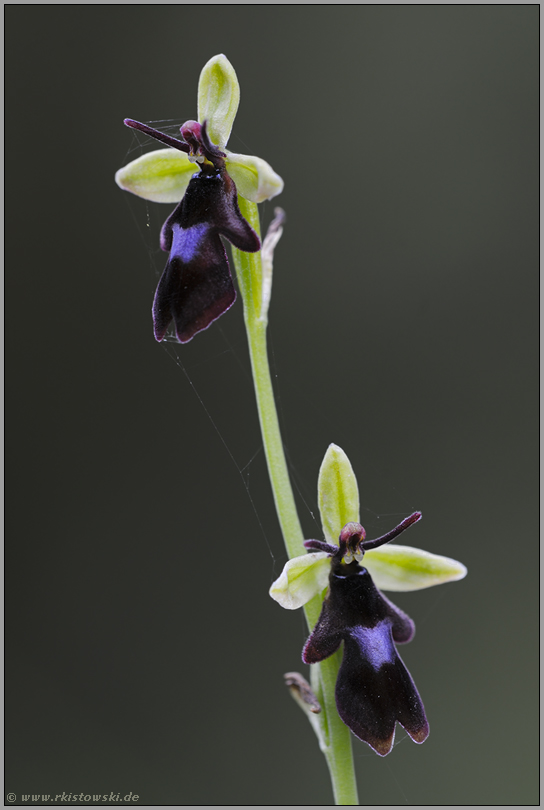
334 736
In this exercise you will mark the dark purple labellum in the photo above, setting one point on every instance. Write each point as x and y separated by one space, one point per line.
196 285
374 690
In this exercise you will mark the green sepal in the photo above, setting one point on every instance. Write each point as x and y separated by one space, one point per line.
218 98
255 179
302 578
403 568
338 494
163 176
160 176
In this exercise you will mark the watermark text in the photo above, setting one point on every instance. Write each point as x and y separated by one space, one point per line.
43 798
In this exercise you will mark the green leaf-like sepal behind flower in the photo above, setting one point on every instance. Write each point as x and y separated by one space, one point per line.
403 568
392 567
160 176
218 98
301 579
255 179
338 494
163 175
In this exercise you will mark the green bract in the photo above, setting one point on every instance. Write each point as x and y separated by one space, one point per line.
163 175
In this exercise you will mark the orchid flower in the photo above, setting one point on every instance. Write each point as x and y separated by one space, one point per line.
196 286
374 690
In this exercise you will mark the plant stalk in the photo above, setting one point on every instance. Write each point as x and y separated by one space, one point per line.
334 737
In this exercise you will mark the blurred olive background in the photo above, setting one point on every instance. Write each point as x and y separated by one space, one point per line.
143 651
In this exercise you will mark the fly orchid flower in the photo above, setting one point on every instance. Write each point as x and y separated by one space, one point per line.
374 690
196 286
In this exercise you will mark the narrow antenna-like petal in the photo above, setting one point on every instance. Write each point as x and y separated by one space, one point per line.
386 538
159 136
